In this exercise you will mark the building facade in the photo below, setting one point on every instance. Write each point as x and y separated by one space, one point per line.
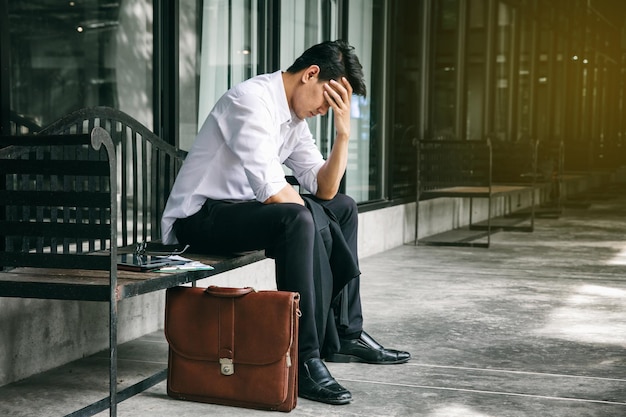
436 69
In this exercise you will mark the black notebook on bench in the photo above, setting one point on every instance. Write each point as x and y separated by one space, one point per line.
143 263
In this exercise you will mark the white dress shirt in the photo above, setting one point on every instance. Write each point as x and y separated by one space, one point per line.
239 151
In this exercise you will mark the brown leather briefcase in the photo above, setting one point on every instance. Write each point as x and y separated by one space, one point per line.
233 346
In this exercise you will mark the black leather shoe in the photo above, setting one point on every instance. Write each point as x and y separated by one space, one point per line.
366 349
317 384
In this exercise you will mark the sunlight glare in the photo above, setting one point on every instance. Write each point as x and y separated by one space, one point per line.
457 410
619 258
593 314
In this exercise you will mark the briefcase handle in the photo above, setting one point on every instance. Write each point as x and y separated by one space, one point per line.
228 292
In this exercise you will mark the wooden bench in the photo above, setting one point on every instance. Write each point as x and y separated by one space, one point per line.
72 198
463 169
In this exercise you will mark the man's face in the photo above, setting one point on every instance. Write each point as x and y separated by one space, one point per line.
309 100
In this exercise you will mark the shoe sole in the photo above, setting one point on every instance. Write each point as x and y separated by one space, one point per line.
331 402
342 358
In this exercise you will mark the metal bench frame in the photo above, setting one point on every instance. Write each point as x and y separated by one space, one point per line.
67 249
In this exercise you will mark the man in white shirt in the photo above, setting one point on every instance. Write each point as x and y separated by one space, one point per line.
231 195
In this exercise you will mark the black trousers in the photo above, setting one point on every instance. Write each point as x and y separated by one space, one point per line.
286 232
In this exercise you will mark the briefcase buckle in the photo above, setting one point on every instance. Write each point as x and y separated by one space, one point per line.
226 366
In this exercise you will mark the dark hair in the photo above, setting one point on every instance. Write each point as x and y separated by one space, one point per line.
336 59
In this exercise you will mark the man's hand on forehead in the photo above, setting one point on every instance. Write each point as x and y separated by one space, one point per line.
338 95
338 92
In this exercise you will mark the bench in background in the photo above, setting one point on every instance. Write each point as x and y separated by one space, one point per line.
464 169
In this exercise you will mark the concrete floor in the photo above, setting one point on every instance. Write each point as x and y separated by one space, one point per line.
533 326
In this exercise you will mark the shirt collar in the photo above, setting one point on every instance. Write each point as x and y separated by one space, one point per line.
280 98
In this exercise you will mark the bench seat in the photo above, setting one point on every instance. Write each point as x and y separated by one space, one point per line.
471 191
90 285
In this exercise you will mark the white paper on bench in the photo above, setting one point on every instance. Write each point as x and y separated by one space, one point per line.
188 266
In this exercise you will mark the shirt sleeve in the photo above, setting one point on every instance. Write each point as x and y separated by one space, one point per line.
252 135
305 160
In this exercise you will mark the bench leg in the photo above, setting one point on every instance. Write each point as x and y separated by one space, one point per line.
113 354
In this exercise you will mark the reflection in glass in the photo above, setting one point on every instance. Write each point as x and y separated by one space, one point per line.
228 49
70 55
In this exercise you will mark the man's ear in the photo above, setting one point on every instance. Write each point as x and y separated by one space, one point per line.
311 73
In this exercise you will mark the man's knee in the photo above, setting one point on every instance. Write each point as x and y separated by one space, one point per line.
344 207
298 218
347 202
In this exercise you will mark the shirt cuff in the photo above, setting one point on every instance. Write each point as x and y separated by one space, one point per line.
269 190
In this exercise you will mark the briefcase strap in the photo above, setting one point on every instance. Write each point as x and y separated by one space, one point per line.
226 335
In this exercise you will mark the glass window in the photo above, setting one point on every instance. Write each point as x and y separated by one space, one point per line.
502 69
406 89
525 77
475 69
70 55
219 46
190 20
544 84
366 29
446 19
305 23
228 51
302 25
